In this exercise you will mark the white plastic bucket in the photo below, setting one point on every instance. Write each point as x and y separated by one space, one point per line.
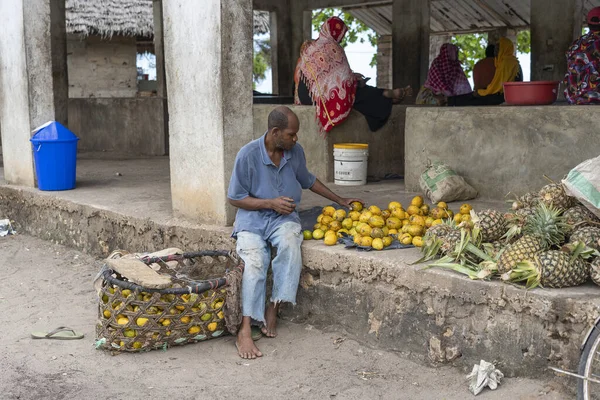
350 163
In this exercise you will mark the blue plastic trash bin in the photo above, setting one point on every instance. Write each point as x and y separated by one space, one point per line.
55 156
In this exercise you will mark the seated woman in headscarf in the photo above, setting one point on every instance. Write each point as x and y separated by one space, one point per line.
507 70
324 78
583 64
445 78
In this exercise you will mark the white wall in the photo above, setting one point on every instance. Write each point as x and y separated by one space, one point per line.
102 67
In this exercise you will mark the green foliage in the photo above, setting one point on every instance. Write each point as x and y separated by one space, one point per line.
472 47
261 61
355 27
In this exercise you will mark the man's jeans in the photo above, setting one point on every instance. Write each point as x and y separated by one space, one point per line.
287 265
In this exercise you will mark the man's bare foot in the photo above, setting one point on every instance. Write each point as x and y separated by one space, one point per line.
270 329
245 345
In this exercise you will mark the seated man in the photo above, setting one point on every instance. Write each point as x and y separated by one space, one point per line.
583 61
484 70
266 186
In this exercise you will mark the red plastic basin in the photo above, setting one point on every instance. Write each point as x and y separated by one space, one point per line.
530 93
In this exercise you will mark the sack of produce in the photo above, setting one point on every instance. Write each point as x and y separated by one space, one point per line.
583 183
440 183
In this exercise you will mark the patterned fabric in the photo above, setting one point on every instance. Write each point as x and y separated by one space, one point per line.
427 97
583 64
324 68
446 75
507 68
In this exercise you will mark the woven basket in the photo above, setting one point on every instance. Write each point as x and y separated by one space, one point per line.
132 318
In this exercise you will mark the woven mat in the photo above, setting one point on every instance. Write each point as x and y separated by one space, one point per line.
138 272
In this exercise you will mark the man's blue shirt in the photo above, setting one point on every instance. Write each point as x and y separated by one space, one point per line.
255 175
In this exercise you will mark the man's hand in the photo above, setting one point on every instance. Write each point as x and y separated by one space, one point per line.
346 202
283 205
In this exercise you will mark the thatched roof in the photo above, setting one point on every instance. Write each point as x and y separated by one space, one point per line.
124 17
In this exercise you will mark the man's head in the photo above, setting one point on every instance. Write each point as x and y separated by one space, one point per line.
490 51
593 19
283 125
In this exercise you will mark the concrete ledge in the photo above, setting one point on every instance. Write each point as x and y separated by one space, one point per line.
377 297
500 149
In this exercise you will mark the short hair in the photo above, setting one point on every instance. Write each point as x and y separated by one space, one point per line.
277 119
489 50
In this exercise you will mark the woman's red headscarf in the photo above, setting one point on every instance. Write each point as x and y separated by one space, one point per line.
446 75
324 68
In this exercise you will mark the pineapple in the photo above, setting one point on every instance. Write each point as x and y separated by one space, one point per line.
544 229
590 235
554 195
551 268
491 223
528 200
516 222
595 271
580 216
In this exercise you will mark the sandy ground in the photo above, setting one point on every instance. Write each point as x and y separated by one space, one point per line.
43 286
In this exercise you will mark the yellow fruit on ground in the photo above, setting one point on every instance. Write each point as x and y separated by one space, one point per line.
330 232
365 230
357 239
417 220
399 213
414 230
347 223
465 209
405 238
417 241
341 233
330 240
436 222
393 232
328 211
463 217
377 244
437 213
141 321
450 213
320 218
442 205
307 235
126 292
316 226
417 201
364 217
137 345
335 226
393 205
355 223
354 215
414 210
166 322
352 232
386 230
121 343
318 234
425 209
326 220
377 233
220 315
339 215
375 210
129 333
376 221
212 326
192 330
405 222
387 241
428 222
106 314
122 320
324 228
458 218
366 241
185 320
356 206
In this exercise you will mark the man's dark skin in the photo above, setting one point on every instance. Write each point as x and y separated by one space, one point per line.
276 142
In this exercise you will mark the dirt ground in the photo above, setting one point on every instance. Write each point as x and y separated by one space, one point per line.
43 286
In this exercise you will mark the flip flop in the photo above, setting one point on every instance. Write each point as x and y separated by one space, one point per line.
256 333
60 333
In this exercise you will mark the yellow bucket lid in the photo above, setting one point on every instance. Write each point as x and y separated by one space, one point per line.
351 146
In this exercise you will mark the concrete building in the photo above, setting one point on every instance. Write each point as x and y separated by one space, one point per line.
206 79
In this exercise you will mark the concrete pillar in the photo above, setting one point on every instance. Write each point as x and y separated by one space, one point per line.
208 64
410 42
33 78
384 62
159 52
554 26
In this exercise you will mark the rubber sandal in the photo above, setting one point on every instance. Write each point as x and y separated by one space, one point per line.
256 333
60 333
